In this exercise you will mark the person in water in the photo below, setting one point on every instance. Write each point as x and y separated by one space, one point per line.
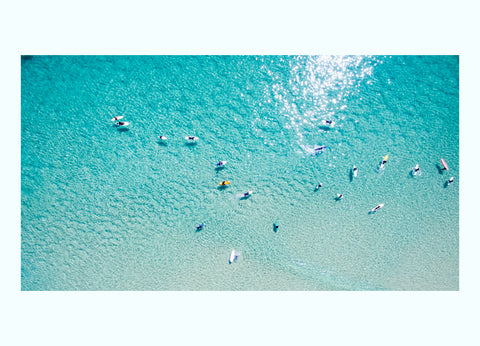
192 138
417 168
318 186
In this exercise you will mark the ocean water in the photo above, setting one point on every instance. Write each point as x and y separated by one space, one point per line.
106 208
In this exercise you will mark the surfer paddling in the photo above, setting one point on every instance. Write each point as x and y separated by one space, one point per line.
355 171
320 149
384 161
380 206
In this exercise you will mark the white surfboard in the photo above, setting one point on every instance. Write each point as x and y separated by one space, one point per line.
220 164
380 206
233 256
117 118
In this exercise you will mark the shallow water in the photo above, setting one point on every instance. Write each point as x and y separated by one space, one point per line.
111 209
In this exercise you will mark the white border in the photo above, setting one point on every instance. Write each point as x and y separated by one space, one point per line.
245 318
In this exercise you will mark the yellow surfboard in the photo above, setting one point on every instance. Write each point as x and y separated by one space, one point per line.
223 183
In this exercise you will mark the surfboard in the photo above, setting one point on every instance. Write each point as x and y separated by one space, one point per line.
444 164
382 164
191 138
380 206
117 118
328 123
233 256
126 123
224 183
220 164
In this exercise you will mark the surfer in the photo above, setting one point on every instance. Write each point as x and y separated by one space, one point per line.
384 161
444 164
339 196
355 170
247 194
450 180
416 170
376 208
318 186
200 227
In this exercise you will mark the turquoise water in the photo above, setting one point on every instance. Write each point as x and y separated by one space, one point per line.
105 208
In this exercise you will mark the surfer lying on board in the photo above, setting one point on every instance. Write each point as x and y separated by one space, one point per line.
384 161
416 170
377 208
